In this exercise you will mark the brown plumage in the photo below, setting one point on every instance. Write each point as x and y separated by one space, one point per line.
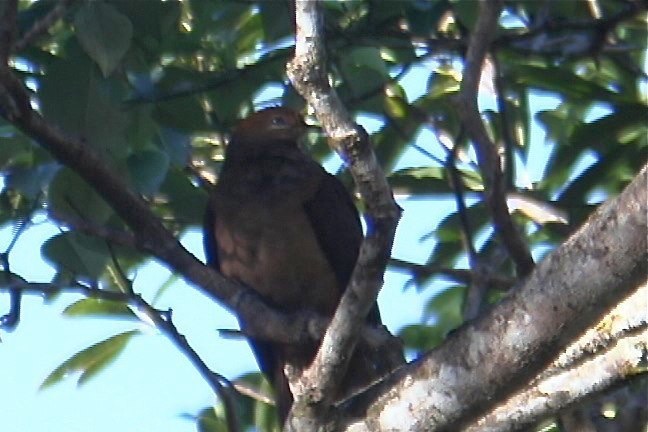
279 223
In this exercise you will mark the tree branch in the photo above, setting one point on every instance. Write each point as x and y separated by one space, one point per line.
478 287
489 160
501 351
7 29
307 72
609 353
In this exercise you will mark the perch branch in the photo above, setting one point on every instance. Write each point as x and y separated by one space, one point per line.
500 352
307 72
607 354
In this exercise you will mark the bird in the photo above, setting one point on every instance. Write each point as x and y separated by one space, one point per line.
280 224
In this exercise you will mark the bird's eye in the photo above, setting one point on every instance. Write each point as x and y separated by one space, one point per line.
279 121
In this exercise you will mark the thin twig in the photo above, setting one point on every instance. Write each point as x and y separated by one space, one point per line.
10 320
489 160
460 275
219 384
253 392
162 321
41 26
7 30
478 286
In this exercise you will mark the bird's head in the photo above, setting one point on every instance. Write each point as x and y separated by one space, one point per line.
270 125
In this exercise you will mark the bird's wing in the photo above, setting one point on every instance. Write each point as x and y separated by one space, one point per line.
265 352
336 223
209 237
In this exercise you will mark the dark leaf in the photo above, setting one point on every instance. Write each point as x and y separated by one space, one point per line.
104 33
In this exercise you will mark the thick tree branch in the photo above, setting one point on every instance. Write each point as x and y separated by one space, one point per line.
500 352
607 354
307 72
489 160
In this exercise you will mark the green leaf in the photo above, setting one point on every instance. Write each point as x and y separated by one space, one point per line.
449 246
186 201
70 195
152 21
259 413
627 121
148 169
15 148
446 308
77 253
564 82
98 308
104 33
276 18
82 103
421 337
466 12
184 113
432 180
210 421
420 181
364 74
443 83
252 413
31 181
177 145
91 360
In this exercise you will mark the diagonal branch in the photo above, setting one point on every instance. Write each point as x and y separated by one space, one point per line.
8 29
500 352
607 354
43 25
489 160
307 72
474 299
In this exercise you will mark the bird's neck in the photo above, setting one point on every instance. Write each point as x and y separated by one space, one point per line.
273 171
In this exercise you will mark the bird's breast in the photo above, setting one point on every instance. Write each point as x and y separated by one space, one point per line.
272 248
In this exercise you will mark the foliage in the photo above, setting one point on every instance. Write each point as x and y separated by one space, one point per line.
155 86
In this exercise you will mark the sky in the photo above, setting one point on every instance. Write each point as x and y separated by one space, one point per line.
151 386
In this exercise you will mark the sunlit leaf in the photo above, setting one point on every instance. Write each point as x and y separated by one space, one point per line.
209 421
98 307
446 308
91 360
614 128
421 337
